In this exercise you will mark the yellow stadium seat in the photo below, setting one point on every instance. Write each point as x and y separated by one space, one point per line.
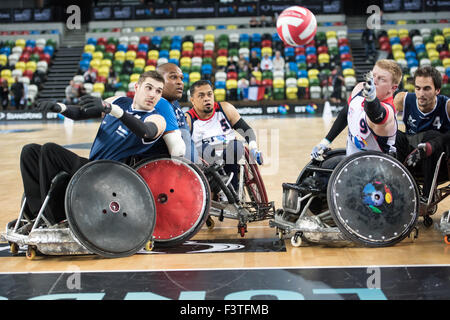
20 65
398 55
89 48
278 83
20 43
105 63
139 63
210 27
433 54
3 59
446 32
219 95
266 50
231 27
348 72
392 33
6 73
331 34
190 28
138 29
257 75
324 58
187 46
185 62
10 80
439 39
103 71
446 62
430 46
231 84
149 68
194 76
174 54
119 55
97 55
303 82
313 73
397 47
98 87
95 63
134 77
130 55
153 54
221 61
31 65
209 37
291 93
401 22
403 33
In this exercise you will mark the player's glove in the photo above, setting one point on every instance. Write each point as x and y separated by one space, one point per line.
369 91
422 151
49 106
90 104
317 151
257 156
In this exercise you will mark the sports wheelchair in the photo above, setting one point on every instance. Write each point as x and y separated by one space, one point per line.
368 199
247 204
111 210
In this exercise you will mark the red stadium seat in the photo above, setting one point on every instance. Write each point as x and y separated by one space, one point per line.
144 39
151 62
110 48
141 55
266 43
222 52
102 41
132 47
232 75
342 42
300 50
322 49
187 53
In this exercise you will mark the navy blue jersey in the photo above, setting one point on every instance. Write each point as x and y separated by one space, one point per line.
161 148
114 141
416 121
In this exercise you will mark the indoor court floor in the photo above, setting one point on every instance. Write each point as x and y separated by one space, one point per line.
220 264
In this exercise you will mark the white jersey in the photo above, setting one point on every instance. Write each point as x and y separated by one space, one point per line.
360 136
214 132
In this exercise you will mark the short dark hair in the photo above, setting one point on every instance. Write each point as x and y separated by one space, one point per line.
429 71
151 74
199 83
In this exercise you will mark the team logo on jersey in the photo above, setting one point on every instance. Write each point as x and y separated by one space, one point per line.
122 131
360 142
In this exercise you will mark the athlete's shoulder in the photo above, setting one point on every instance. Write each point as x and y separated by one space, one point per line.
162 103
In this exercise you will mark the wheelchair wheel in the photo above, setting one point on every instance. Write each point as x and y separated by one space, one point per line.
182 198
253 183
110 209
373 199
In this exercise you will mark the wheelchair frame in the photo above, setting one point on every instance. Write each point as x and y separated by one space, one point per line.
315 222
249 204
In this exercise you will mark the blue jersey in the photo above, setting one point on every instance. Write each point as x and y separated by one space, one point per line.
114 141
160 147
416 121
165 109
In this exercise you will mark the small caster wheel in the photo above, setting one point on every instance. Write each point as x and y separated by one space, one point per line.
242 229
31 253
280 233
210 223
414 234
427 221
14 248
149 245
296 239
447 239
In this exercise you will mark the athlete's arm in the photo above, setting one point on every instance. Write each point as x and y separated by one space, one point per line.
398 101
188 120
448 108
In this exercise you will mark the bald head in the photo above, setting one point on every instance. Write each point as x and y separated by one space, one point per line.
173 77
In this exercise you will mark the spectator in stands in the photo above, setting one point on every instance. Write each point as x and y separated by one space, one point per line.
254 62
266 63
263 22
112 81
71 94
337 82
242 63
254 23
4 94
368 38
17 90
90 76
278 61
243 85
